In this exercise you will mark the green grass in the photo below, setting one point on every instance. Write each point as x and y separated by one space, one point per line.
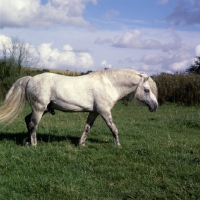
159 157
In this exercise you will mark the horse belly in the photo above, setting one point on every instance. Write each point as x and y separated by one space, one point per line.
70 107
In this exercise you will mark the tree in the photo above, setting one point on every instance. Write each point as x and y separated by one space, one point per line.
15 55
195 68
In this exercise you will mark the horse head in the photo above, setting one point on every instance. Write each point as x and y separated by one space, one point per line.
147 92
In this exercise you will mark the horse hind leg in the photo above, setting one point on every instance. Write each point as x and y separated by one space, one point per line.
89 123
32 120
28 125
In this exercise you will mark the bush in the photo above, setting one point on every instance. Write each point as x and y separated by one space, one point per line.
178 88
5 85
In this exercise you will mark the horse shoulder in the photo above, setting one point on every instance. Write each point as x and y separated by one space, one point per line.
105 93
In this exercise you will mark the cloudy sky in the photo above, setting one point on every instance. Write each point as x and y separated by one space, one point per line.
150 36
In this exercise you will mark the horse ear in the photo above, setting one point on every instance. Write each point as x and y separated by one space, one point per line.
146 78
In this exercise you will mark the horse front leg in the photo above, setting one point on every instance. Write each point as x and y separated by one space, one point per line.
90 121
107 116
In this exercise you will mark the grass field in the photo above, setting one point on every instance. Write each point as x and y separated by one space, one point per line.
159 157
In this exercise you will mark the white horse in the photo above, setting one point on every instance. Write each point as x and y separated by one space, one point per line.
95 93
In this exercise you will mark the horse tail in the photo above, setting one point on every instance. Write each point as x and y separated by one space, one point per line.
15 101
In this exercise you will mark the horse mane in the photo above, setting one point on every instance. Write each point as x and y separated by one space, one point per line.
153 86
151 82
115 71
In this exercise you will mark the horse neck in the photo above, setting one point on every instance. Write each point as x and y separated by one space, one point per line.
125 83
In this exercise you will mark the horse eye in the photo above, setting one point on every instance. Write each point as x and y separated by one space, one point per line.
146 90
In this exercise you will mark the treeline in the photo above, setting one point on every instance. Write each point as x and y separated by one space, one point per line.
181 88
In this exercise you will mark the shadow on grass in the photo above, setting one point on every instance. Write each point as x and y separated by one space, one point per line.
22 138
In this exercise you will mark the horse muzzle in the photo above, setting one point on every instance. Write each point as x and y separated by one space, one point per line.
153 106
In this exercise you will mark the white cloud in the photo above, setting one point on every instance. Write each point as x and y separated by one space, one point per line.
168 53
101 42
168 40
104 64
4 39
65 59
45 56
180 66
173 61
26 13
152 59
14 47
175 44
146 68
134 39
185 13
197 50
179 60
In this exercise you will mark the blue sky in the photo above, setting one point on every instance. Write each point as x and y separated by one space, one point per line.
143 10
150 36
